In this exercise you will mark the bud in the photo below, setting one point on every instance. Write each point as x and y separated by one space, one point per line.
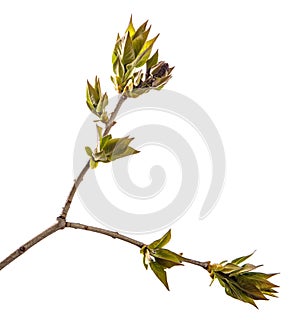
135 72
95 100
240 282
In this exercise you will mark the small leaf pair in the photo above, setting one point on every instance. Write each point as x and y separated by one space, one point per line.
160 259
109 149
240 282
96 101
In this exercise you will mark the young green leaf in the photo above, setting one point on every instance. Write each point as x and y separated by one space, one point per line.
160 243
129 53
118 68
89 151
139 41
166 255
141 58
104 141
99 131
117 49
140 30
167 263
160 273
145 53
243 269
93 164
130 28
128 152
235 293
152 61
122 145
242 259
92 96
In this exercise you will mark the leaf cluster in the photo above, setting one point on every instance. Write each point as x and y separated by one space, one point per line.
160 259
109 149
241 282
133 51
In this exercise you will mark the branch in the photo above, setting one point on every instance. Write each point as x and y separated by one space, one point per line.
71 195
85 169
116 235
61 220
109 233
204 265
114 114
58 226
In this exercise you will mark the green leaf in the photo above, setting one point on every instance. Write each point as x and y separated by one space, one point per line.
91 95
160 273
260 281
144 54
89 151
140 30
139 42
104 117
167 264
122 145
118 67
99 131
242 259
98 86
129 53
143 57
103 102
118 148
252 288
117 49
245 268
229 267
160 243
261 276
166 255
246 285
235 293
152 61
93 164
150 43
110 145
128 152
130 28
104 141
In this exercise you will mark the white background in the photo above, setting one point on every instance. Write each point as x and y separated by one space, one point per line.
240 61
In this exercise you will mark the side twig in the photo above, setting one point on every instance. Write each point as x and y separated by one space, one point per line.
85 169
116 235
109 233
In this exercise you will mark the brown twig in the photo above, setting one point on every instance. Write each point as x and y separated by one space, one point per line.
71 195
61 220
61 224
58 226
109 233
116 235
85 169
114 114
205 265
